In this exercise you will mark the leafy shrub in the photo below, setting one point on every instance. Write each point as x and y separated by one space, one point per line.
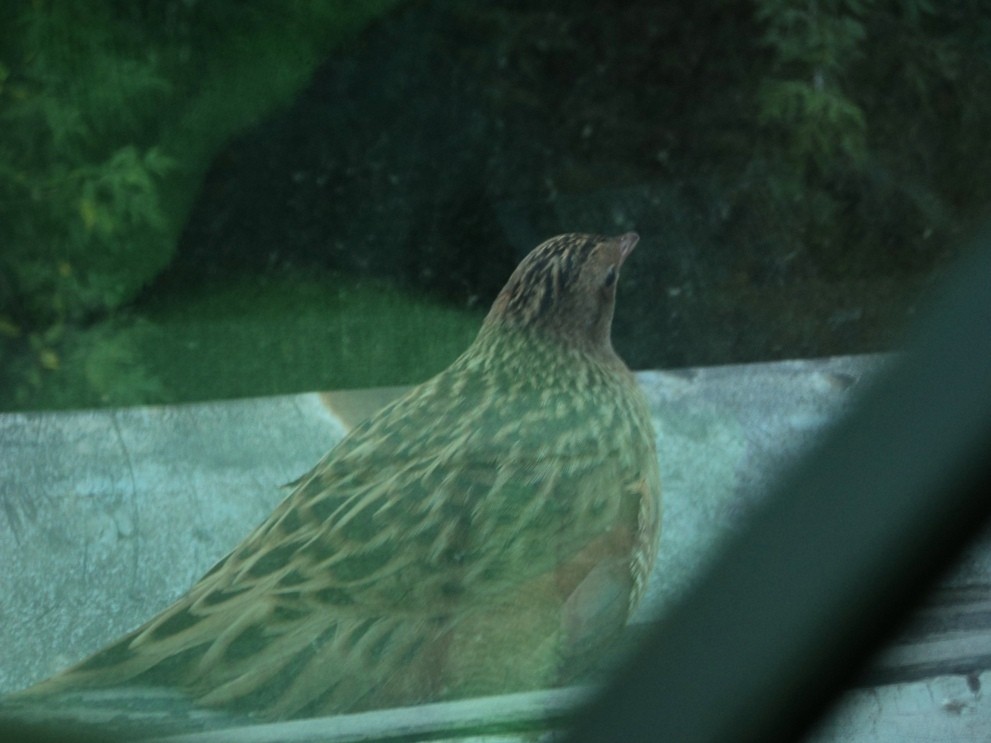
110 114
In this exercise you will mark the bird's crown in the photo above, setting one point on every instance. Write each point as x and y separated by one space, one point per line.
566 288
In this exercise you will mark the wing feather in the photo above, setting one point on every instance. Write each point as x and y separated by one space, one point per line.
420 512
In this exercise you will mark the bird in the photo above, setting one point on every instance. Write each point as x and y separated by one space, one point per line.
489 531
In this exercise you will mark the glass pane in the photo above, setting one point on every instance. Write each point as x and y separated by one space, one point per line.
234 233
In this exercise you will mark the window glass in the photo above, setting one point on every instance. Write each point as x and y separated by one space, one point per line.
212 212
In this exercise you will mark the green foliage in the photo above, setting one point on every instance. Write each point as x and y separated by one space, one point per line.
813 45
81 221
870 116
824 34
100 366
820 123
110 115
79 206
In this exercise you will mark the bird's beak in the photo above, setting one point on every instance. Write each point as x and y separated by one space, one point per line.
626 244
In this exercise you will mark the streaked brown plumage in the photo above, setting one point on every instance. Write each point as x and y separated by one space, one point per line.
489 531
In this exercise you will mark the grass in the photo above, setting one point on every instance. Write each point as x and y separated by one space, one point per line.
248 336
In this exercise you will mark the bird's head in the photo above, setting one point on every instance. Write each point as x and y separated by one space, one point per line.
566 289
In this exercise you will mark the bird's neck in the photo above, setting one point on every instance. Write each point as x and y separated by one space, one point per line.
527 350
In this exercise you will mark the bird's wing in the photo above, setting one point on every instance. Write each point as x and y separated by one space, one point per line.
377 549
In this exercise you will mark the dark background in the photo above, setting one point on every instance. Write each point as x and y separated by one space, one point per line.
799 175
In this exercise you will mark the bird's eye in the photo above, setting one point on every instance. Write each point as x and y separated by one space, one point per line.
610 277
